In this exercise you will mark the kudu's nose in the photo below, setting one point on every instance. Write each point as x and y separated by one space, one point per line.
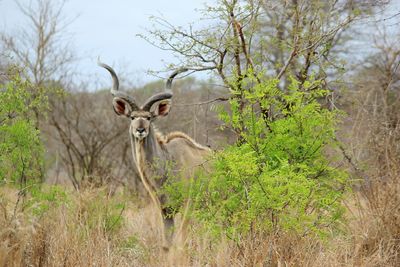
140 130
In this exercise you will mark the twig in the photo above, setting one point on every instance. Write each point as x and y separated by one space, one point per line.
288 61
205 102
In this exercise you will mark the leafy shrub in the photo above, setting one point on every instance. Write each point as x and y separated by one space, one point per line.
21 150
101 210
43 198
279 177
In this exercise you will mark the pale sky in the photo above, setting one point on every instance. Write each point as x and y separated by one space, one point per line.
108 29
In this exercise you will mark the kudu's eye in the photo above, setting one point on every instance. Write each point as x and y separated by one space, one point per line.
148 118
132 118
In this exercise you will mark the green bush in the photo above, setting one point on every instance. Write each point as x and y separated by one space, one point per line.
102 210
93 210
21 150
281 175
43 198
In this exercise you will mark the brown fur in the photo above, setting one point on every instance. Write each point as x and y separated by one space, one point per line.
165 139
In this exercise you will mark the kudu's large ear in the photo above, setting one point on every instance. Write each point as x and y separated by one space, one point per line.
162 108
121 106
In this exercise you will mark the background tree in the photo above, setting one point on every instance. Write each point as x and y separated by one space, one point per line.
93 148
372 134
42 49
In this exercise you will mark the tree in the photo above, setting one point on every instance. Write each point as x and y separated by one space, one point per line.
278 60
42 49
94 150
264 39
376 98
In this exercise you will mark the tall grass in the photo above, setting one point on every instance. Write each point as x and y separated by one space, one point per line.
94 228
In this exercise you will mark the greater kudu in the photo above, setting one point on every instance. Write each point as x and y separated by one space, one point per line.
153 153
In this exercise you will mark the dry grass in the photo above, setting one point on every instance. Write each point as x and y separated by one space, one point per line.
79 233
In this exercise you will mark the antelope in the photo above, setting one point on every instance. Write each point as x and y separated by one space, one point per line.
154 152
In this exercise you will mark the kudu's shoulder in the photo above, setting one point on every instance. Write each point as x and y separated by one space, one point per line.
186 152
180 139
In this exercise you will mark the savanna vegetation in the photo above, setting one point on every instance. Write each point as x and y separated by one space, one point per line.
303 120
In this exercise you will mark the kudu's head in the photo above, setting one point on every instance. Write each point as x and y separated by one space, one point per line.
156 106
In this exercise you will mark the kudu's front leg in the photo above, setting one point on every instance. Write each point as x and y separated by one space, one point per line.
168 227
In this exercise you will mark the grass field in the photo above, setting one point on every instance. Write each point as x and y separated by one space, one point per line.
56 227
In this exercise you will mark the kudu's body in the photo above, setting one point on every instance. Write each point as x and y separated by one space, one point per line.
157 156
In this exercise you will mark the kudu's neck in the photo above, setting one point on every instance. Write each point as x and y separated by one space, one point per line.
149 156
145 153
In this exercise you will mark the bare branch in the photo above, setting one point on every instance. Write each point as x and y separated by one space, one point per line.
218 99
